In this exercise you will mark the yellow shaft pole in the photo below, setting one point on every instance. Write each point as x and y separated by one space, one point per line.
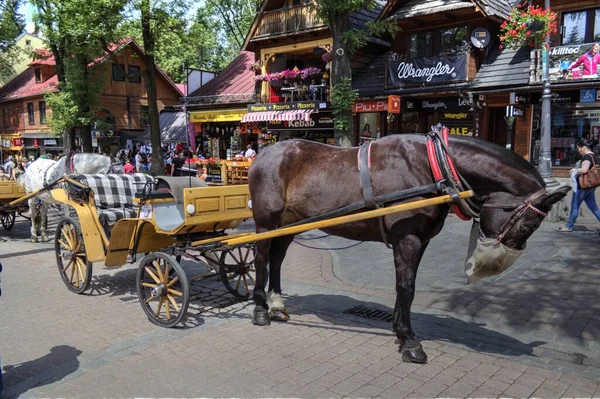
409 206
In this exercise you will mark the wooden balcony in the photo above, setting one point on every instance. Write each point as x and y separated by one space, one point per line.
288 20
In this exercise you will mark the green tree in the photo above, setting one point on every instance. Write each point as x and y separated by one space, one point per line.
11 25
234 17
336 13
77 32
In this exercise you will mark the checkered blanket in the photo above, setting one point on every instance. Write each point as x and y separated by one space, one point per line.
114 194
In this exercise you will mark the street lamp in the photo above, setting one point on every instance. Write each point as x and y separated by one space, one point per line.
545 162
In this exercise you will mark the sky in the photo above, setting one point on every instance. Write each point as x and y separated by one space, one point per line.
27 10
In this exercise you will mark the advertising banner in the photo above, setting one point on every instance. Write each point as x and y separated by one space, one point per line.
574 62
439 104
427 70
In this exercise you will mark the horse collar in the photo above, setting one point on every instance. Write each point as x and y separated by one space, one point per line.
444 171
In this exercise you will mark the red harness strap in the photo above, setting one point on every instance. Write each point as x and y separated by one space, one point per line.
437 173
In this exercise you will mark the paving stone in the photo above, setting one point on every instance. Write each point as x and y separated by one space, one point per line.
430 390
367 391
519 391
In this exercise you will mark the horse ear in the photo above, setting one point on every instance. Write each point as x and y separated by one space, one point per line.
552 198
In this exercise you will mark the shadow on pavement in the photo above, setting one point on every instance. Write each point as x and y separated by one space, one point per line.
428 326
60 362
25 253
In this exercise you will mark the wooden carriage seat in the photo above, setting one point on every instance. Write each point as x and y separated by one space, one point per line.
170 215
114 194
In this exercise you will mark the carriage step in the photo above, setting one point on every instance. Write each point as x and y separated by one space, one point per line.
370 313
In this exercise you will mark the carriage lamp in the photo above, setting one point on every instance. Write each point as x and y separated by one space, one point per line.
250 204
191 209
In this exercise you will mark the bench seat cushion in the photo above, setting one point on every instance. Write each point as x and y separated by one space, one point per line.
114 194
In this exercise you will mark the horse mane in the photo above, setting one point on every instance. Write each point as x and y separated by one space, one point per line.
510 156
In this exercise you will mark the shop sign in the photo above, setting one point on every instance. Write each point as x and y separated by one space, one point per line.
439 104
588 96
571 62
49 142
428 70
18 142
320 121
394 104
213 175
313 105
218 116
370 106
6 143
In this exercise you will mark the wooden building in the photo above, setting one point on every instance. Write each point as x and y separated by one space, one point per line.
514 78
123 104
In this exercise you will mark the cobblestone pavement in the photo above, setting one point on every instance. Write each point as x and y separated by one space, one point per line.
530 332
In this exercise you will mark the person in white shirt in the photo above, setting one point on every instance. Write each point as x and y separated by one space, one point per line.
250 153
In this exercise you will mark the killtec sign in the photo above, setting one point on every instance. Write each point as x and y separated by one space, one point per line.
427 70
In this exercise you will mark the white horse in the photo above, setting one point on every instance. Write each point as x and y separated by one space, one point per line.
45 171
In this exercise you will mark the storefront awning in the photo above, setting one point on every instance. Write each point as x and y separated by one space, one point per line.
291 115
37 136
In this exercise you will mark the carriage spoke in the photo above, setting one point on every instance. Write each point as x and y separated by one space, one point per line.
149 285
168 307
156 279
234 258
251 279
67 237
166 277
64 245
173 302
150 299
72 273
247 254
68 265
239 280
173 281
78 277
156 264
246 283
160 304
174 292
240 254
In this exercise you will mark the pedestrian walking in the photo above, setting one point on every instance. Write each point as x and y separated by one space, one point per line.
582 194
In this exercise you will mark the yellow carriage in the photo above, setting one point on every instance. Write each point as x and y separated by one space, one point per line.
120 216
11 191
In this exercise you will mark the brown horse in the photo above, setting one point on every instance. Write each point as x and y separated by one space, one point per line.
298 179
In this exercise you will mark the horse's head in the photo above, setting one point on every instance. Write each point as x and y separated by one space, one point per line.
506 222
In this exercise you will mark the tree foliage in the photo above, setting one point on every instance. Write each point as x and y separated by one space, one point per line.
11 25
346 41
78 32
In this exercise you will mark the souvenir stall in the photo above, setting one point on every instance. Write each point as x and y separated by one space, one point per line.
10 144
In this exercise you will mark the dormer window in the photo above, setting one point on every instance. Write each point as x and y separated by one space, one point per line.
38 75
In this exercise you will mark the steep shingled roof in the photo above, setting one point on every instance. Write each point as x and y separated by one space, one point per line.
504 68
24 85
235 80
416 8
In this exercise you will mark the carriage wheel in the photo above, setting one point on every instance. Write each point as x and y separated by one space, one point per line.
163 289
8 220
236 268
73 266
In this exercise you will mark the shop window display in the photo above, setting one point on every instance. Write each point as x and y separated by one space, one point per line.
568 125
369 126
409 122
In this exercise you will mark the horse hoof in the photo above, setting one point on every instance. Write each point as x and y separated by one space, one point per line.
279 315
414 354
34 239
261 318
45 239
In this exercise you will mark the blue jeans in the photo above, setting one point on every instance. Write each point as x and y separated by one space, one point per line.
578 198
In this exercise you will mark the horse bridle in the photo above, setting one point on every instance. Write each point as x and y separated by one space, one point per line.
518 213
112 165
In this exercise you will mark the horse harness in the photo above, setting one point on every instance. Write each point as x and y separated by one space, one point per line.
448 180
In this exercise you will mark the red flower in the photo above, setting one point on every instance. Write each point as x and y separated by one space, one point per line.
500 47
